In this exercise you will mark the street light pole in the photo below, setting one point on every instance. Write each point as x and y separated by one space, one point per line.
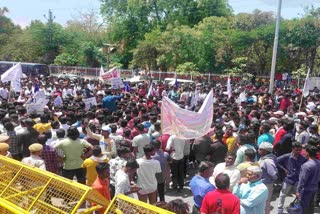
275 48
107 50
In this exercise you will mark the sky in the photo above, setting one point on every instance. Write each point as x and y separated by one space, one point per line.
23 11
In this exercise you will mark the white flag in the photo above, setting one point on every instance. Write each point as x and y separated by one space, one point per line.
150 90
101 73
16 85
306 86
229 89
242 97
13 73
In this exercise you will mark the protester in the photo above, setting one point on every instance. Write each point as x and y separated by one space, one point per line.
249 160
117 163
243 145
221 200
178 206
218 150
139 141
265 134
147 176
163 178
291 164
101 183
107 144
72 148
229 139
122 179
90 164
228 168
49 155
15 145
253 194
268 164
200 185
176 146
308 180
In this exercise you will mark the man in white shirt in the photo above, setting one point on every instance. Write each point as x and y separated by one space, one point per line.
140 141
228 168
147 172
122 181
4 93
177 145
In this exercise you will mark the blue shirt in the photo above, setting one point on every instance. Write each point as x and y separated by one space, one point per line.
253 197
200 186
269 168
109 102
309 176
265 137
292 166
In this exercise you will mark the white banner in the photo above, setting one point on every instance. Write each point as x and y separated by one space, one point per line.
39 95
116 83
186 124
109 75
37 107
90 102
12 73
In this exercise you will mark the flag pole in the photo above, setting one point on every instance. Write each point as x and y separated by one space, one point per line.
301 102
305 87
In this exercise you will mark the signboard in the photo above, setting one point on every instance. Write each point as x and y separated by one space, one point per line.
109 75
116 83
90 102
37 107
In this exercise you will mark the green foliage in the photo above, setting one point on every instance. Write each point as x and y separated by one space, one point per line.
66 59
301 72
239 66
187 68
186 35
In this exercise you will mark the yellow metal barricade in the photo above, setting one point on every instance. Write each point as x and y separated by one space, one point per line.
122 204
25 189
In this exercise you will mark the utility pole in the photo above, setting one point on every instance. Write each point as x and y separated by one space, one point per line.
275 48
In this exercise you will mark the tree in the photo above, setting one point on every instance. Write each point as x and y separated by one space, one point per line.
130 20
187 68
3 11
250 21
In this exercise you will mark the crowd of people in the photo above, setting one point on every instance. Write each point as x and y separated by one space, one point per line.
257 141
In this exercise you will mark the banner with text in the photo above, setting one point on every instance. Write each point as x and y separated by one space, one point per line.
112 73
116 83
92 101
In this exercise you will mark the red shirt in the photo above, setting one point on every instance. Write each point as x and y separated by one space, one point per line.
164 139
220 201
284 104
279 135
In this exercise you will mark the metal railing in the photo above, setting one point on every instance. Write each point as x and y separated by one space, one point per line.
156 75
